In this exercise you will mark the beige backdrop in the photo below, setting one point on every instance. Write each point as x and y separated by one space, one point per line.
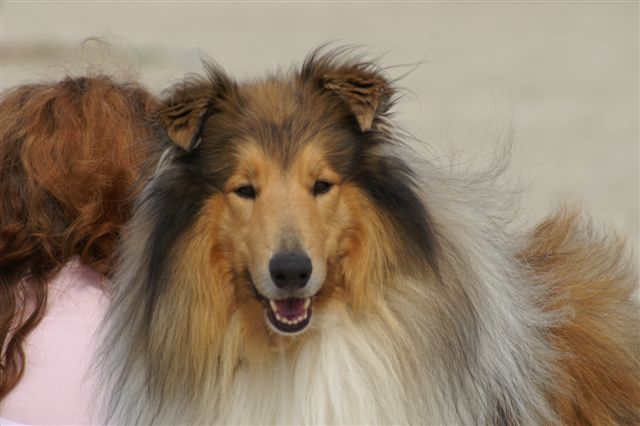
560 77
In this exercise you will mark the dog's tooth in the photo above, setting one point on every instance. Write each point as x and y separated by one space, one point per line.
307 302
274 305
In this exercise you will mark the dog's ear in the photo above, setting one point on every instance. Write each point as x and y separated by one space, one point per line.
365 94
182 119
190 103
360 85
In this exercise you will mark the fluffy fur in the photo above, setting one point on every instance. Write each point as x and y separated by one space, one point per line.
425 308
71 153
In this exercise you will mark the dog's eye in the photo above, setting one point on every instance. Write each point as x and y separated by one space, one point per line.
247 191
321 187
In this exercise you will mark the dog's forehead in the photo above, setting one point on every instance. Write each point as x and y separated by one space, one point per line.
279 118
275 99
283 115
253 162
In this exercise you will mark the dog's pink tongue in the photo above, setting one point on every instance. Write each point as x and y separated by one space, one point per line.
290 308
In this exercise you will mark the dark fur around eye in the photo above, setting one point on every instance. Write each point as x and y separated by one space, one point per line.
246 192
321 187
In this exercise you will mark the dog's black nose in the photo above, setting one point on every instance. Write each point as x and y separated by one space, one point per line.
290 270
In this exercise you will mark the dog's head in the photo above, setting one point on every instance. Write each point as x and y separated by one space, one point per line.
296 201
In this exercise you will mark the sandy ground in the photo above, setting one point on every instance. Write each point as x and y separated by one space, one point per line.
558 78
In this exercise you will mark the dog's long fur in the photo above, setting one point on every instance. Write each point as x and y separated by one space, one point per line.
71 153
429 310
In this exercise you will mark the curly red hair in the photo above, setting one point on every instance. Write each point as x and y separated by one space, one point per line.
71 154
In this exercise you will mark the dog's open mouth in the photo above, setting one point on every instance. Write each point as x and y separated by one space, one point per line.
290 315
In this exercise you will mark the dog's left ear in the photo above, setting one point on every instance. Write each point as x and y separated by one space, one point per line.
361 86
365 93
190 103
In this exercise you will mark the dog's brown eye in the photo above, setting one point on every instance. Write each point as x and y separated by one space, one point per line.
247 191
321 187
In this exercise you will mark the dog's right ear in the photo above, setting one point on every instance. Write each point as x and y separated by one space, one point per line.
190 103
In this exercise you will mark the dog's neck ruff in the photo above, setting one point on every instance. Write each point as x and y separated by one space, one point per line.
340 375
345 372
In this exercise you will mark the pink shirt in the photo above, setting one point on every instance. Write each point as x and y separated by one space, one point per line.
55 388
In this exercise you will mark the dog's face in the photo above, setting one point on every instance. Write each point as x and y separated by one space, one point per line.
283 223
294 181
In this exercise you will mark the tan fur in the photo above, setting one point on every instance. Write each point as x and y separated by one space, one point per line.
591 282
193 298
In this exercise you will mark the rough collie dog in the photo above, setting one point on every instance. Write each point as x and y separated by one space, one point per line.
70 156
287 264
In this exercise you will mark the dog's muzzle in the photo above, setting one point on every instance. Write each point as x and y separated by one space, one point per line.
290 272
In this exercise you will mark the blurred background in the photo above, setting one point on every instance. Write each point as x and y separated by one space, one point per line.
558 79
